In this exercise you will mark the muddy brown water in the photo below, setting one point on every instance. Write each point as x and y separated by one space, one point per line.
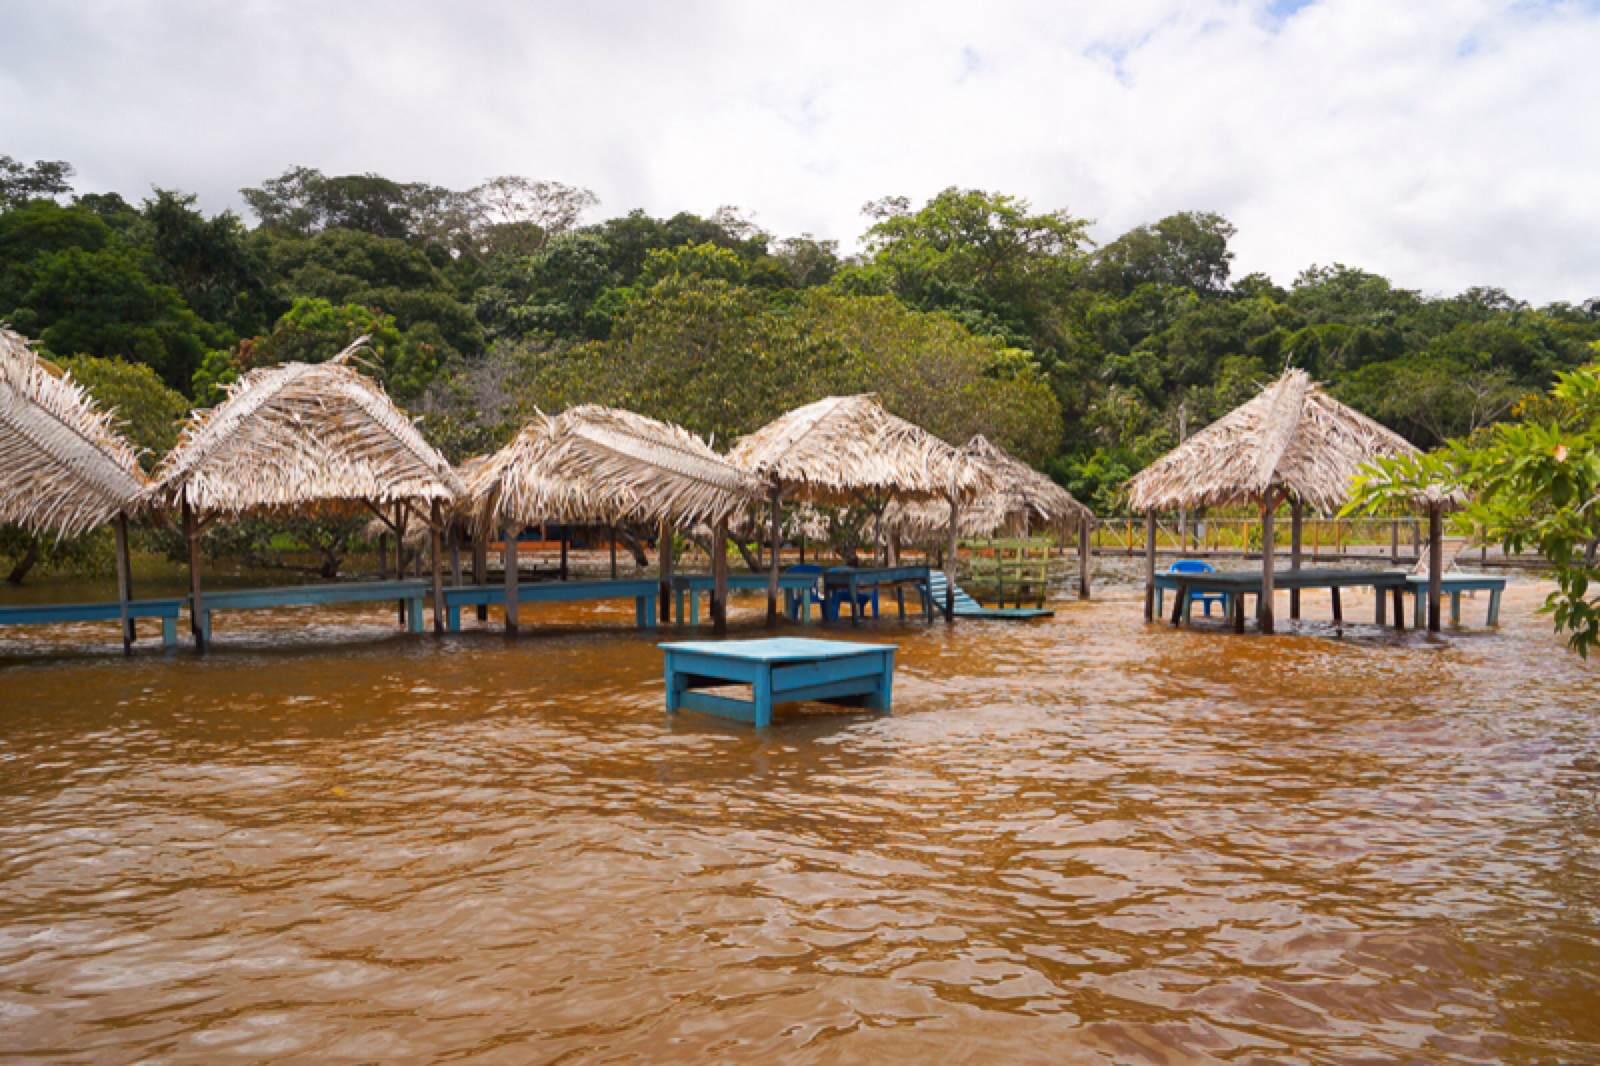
1081 839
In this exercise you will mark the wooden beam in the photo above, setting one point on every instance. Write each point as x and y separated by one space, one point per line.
775 501
509 539
1435 563
719 577
124 582
1150 567
1084 526
435 536
1296 520
611 532
191 537
1268 561
564 539
664 553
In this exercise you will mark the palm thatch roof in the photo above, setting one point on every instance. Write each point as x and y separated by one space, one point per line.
602 465
301 434
842 448
1022 497
64 468
1292 437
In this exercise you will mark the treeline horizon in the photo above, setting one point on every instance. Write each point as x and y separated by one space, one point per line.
971 312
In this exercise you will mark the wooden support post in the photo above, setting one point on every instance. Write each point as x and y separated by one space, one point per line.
1150 567
664 554
1084 525
480 565
612 536
1268 551
511 577
719 577
952 548
400 556
1435 563
124 582
191 536
774 501
1399 608
564 539
436 549
1296 520
1394 540
1338 605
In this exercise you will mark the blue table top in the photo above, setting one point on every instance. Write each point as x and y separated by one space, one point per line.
778 649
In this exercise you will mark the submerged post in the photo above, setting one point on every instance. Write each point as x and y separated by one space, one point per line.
1083 558
435 519
1435 563
719 577
774 501
1150 566
511 577
124 583
950 560
480 563
191 536
1268 551
1296 516
664 553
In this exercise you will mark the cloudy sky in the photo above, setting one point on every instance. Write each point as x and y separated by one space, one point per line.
1444 143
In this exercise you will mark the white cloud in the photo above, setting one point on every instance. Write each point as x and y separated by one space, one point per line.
1443 143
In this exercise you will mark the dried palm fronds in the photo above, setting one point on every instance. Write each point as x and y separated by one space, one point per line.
1023 498
601 465
842 448
1292 437
64 468
298 434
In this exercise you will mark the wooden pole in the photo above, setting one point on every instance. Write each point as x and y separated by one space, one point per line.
400 555
952 549
612 530
1435 563
1083 558
1296 518
436 546
480 565
664 553
563 553
1150 566
511 577
1264 604
774 501
719 577
124 582
1394 540
191 536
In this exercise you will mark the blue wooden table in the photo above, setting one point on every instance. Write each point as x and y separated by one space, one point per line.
1239 584
1453 585
48 613
411 593
843 584
643 593
780 670
798 590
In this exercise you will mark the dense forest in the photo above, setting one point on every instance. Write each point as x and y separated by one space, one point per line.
974 311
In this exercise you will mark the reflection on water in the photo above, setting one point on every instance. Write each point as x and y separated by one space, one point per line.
1076 839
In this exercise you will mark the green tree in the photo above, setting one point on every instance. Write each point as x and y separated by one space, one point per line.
43 179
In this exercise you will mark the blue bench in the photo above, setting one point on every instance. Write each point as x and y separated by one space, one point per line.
412 593
642 592
50 613
1453 585
780 670
799 590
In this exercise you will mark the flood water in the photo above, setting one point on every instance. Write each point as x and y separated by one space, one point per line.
1081 839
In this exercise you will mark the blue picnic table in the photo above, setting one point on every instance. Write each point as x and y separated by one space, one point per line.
843 584
778 670
409 592
50 613
798 592
643 593
1453 585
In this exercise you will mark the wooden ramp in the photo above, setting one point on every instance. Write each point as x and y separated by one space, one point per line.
967 607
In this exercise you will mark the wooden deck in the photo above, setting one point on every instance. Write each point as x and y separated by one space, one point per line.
798 589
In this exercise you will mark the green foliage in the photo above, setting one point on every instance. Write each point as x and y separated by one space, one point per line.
149 413
315 330
1532 483
42 179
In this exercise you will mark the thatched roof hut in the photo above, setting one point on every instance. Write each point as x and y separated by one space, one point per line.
301 434
1293 438
64 468
1023 498
843 448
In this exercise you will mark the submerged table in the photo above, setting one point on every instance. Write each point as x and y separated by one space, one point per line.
643 593
1238 585
1453 585
48 613
409 592
843 584
798 590
780 670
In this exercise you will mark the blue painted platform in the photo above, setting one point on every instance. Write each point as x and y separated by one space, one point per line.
1453 585
967 607
643 593
412 593
780 670
799 590
50 613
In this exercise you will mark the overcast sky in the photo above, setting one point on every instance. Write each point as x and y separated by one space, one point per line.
1444 143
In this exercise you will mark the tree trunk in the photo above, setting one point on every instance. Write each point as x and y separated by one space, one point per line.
19 570
664 554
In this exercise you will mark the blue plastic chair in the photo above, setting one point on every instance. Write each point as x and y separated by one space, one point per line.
816 593
1200 566
836 598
